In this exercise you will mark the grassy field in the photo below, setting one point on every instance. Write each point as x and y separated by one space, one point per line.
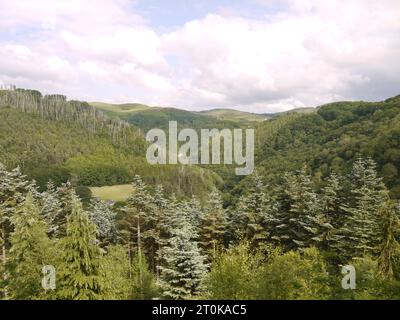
115 193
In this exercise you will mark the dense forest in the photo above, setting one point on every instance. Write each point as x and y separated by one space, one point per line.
280 242
147 118
324 195
332 138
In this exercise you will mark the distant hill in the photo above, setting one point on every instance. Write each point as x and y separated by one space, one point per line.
120 108
52 138
296 110
147 118
235 115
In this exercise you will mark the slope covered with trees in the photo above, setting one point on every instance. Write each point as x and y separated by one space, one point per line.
52 138
332 139
284 241
324 195
148 118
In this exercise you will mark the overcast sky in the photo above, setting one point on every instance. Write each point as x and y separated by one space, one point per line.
254 55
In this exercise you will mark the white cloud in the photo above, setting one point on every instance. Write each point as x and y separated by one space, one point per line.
312 53
308 54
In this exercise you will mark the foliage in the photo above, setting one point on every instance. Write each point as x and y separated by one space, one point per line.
79 271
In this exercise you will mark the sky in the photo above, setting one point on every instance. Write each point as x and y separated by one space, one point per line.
254 55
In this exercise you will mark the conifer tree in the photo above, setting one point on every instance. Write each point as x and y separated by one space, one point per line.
299 223
139 222
389 249
184 265
116 273
79 271
195 212
160 226
332 210
362 232
31 249
103 217
213 224
51 208
13 189
170 219
143 283
61 209
331 202
255 212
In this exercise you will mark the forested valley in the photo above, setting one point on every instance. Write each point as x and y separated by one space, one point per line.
324 195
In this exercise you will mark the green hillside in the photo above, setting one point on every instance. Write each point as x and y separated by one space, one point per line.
235 115
65 140
285 219
331 139
291 111
119 108
148 118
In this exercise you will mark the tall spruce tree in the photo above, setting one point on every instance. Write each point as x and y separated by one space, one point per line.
161 230
213 224
299 223
116 273
362 232
139 222
104 217
389 255
31 249
184 266
143 281
65 195
331 203
14 187
254 214
79 276
51 208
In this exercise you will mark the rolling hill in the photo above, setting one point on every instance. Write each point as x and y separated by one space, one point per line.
330 139
296 110
235 115
52 138
146 118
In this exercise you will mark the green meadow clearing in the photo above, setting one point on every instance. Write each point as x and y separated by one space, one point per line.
114 193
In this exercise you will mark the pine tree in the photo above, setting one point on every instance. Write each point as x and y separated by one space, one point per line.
139 222
143 282
51 208
299 223
389 249
362 233
160 226
331 202
332 210
103 217
31 249
169 221
59 210
79 270
184 265
213 224
116 273
253 218
195 212
14 187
